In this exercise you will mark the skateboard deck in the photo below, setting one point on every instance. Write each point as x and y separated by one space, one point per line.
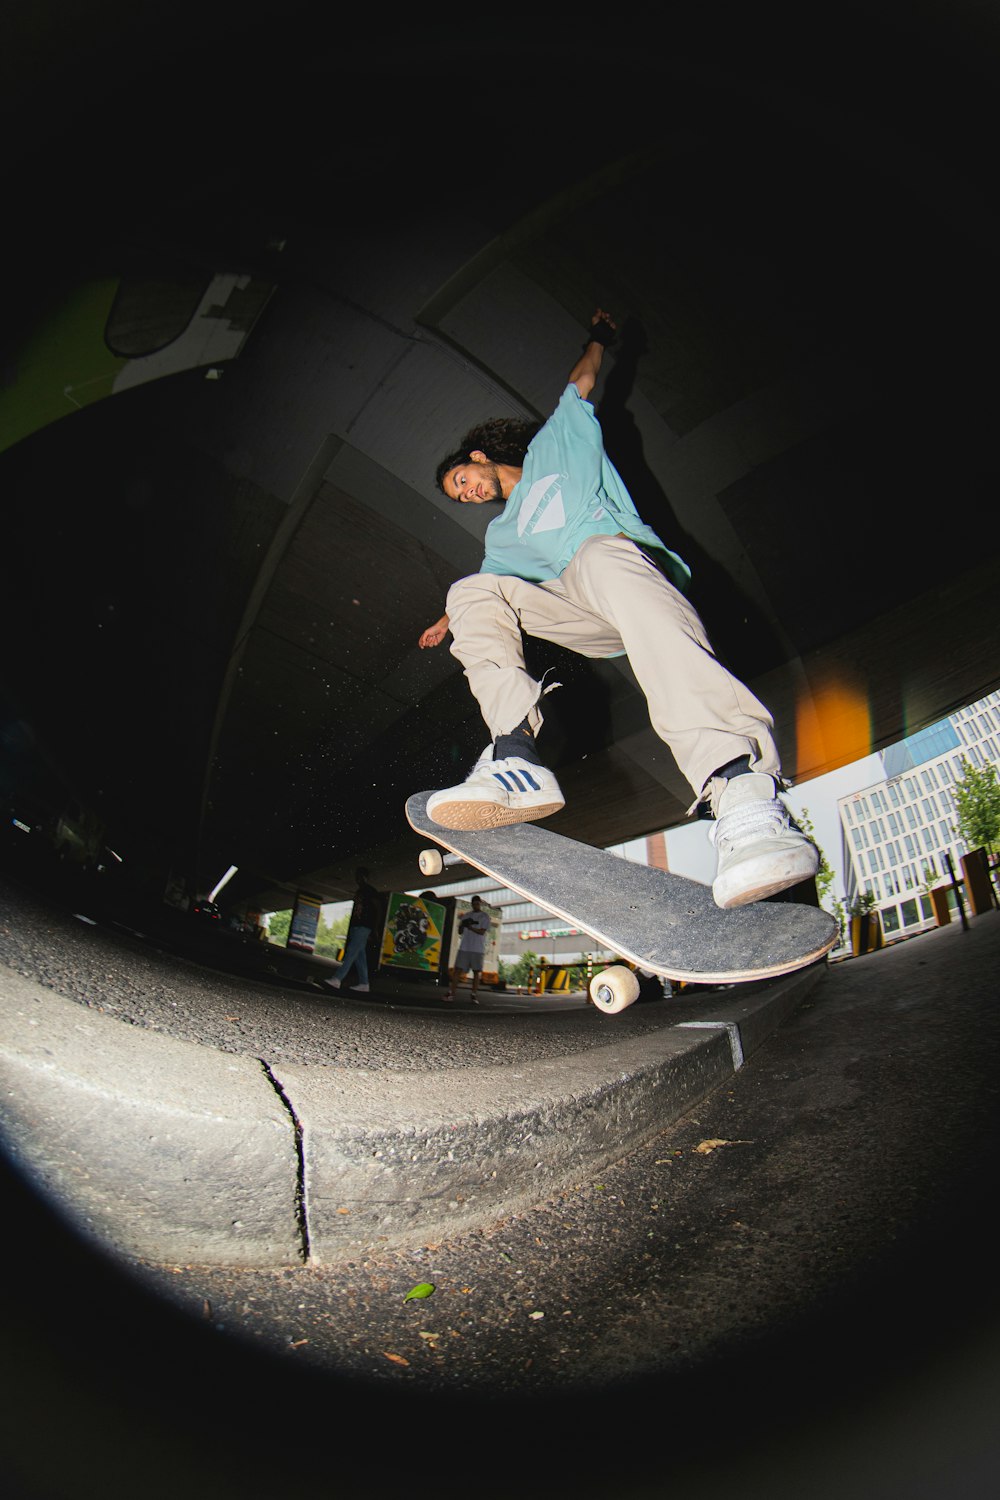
661 922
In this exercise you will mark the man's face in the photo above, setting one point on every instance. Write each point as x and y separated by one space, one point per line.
474 483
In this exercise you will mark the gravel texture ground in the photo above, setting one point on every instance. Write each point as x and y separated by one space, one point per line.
788 1292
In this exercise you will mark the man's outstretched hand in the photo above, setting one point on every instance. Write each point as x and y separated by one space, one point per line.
603 328
603 331
434 634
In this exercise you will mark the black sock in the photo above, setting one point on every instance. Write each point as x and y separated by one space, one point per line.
740 767
519 742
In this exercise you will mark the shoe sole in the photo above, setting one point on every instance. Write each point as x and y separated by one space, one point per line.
760 889
471 816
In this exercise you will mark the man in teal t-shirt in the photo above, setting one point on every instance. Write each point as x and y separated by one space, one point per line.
570 560
569 490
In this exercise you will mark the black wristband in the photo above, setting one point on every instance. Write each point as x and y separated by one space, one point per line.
601 333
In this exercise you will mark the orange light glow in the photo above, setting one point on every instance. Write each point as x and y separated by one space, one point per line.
833 727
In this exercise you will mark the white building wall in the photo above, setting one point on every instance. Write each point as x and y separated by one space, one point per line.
900 832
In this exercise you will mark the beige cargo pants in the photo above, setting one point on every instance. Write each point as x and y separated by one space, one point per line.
612 598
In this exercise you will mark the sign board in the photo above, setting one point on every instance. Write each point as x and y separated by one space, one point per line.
304 923
412 935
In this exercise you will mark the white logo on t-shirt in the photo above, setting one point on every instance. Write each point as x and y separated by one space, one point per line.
542 508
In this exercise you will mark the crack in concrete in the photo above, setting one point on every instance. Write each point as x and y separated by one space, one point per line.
301 1212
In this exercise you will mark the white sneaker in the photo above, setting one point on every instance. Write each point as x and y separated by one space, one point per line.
360 989
759 852
497 792
333 984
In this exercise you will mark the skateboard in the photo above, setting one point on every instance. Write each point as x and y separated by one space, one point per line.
663 923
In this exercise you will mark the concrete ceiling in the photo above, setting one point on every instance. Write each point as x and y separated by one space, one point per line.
215 580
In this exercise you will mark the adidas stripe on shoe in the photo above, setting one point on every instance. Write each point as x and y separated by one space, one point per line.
497 792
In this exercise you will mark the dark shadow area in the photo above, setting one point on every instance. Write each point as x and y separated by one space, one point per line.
111 1380
740 633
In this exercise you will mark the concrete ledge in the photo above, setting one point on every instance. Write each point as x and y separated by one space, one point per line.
167 1150
758 1013
399 1159
173 1151
402 1158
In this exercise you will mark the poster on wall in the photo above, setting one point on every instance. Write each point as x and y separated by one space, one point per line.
411 938
305 923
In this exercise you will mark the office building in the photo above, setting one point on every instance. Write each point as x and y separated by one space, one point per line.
900 835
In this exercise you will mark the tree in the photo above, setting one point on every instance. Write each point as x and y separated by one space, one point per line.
330 935
278 926
519 973
977 802
824 875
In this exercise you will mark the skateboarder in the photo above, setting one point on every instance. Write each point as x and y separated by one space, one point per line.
569 560
472 928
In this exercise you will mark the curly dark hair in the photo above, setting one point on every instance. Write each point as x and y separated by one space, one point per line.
504 440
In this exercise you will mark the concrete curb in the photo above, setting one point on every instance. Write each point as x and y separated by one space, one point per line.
166 1150
171 1151
427 1155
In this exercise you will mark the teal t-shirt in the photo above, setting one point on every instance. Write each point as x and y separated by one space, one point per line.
569 490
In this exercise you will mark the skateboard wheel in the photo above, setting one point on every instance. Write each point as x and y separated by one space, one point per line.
614 989
430 862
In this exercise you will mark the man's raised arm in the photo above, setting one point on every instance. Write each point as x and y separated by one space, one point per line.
584 373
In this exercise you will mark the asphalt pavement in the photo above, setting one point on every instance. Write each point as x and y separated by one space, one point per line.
784 1284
